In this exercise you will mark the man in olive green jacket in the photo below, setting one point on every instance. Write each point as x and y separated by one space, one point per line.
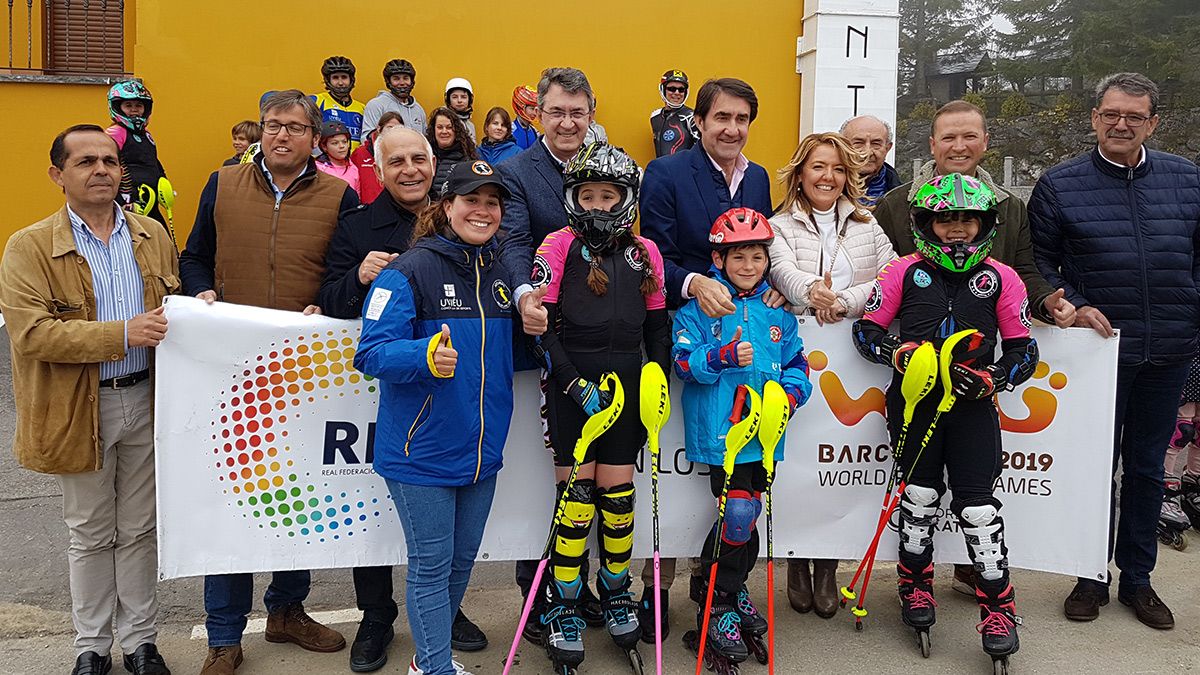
958 141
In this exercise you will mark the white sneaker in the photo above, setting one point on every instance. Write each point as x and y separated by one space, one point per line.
414 670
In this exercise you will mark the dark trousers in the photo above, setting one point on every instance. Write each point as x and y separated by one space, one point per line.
1147 399
735 561
373 591
227 600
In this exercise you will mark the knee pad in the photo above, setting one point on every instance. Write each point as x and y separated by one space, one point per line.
574 525
1185 432
616 527
741 513
983 529
918 514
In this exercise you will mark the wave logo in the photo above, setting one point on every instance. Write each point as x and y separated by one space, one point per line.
253 418
1040 403
847 409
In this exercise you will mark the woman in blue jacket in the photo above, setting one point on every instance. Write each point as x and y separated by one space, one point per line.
437 333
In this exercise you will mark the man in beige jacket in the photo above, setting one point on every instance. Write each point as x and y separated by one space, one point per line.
81 292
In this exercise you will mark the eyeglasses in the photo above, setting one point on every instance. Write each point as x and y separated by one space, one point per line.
1132 120
557 115
271 127
675 90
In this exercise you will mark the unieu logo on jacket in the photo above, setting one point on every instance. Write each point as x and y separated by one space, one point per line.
434 429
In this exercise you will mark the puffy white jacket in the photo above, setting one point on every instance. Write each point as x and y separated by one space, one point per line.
796 260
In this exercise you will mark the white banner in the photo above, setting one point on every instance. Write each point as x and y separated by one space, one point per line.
264 434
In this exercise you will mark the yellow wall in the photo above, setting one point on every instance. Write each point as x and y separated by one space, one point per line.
208 63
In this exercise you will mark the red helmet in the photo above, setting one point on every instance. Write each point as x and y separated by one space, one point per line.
740 226
524 96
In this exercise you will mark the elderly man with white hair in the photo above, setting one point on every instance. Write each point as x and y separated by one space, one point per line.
872 137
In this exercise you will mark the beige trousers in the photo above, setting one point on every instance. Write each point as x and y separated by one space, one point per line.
110 513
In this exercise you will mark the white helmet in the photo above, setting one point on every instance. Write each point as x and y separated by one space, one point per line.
459 83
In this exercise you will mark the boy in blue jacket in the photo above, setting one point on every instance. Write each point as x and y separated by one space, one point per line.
713 357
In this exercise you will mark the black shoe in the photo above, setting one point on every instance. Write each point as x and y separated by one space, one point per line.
1150 609
465 636
589 608
146 660
646 615
91 663
369 651
534 630
1085 601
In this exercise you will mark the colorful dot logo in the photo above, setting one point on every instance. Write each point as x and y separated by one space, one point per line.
255 417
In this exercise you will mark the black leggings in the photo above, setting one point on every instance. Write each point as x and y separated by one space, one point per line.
965 446
622 443
736 561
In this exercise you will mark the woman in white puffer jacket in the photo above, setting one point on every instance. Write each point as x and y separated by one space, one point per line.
828 249
825 257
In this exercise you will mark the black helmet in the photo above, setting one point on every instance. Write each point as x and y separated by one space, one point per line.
399 67
677 76
338 64
601 163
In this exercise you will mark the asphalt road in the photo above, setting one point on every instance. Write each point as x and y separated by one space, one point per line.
35 629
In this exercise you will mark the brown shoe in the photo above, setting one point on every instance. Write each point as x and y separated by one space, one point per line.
799 585
825 589
291 624
222 660
1150 609
964 580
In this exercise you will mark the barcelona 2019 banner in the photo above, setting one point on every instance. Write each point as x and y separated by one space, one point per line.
265 438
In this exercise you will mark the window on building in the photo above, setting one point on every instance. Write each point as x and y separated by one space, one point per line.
65 37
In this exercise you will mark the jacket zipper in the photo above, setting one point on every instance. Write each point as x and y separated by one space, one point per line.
417 423
271 252
482 370
1137 231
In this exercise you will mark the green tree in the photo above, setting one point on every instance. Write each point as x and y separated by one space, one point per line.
930 27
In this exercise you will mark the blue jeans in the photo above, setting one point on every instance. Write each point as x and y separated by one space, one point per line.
443 527
1147 400
227 599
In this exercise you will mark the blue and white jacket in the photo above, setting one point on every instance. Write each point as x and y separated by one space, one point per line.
432 429
709 387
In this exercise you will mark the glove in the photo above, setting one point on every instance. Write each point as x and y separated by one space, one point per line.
589 396
725 356
902 355
973 384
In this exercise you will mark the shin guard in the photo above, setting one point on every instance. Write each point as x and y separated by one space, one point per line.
983 529
570 542
616 527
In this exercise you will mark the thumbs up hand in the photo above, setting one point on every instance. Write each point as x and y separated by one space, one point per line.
821 295
1060 308
445 357
534 318
736 354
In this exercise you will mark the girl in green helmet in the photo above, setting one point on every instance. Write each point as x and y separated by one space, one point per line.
950 286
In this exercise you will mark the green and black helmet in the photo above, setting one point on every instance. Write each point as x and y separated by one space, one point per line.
948 193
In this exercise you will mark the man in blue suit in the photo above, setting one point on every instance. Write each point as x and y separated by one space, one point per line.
682 194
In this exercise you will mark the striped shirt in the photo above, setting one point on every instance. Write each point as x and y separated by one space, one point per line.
117 285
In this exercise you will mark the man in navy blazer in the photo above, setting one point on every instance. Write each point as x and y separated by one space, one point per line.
683 194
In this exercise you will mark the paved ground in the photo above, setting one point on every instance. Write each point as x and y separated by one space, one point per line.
35 621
